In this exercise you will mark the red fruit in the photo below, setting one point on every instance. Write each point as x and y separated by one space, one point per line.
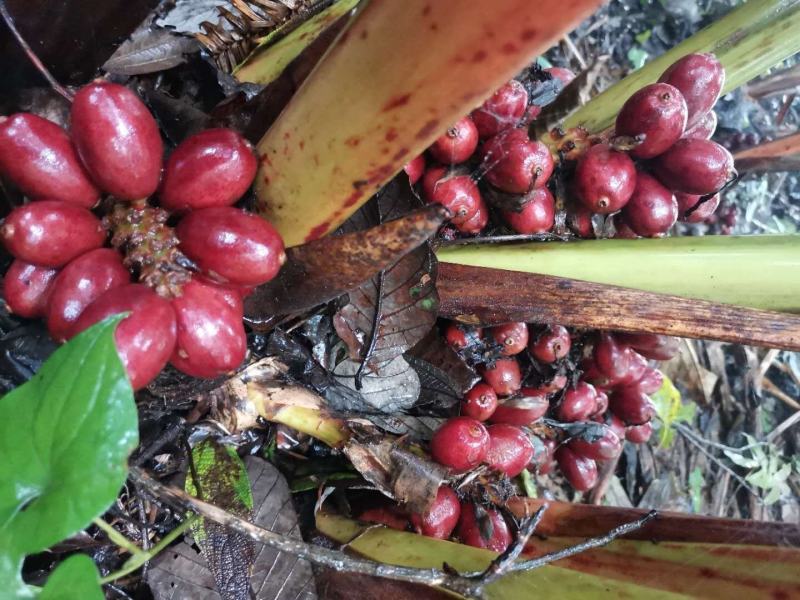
657 115
551 345
565 76
604 179
531 114
537 214
578 403
145 339
543 451
475 224
489 531
691 210
704 128
530 406
390 516
26 288
460 443
579 220
504 377
652 209
457 193
651 381
415 168
622 230
651 345
503 110
441 518
117 139
604 447
230 245
211 168
211 338
601 404
38 157
631 405
592 374
639 434
513 337
457 144
515 163
233 294
510 450
581 472
616 425
480 402
695 167
617 362
459 336
700 78
50 233
79 284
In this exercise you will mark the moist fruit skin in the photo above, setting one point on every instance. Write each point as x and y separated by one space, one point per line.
503 110
480 402
458 193
513 337
651 345
457 144
704 128
688 202
26 288
515 163
639 434
475 224
531 405
79 284
601 404
415 169
695 166
212 168
537 215
461 443
469 529
581 472
210 335
551 345
117 140
605 447
700 78
579 220
38 157
50 233
504 377
652 209
458 336
658 113
618 363
578 403
388 515
231 245
145 339
631 405
605 179
651 381
440 519
510 450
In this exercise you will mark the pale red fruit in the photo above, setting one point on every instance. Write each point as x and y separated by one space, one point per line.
513 337
564 75
460 443
480 402
415 168
441 519
26 288
504 377
476 223
552 344
458 336
704 128
651 345
537 214
510 450
456 144
503 110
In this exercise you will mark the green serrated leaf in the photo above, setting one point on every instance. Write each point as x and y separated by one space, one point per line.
670 409
65 436
74 579
696 484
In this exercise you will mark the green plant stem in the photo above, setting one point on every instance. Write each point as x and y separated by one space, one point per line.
116 537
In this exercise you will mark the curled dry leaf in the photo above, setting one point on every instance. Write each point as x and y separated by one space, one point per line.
395 389
149 51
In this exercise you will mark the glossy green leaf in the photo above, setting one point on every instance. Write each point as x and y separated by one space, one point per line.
670 409
74 579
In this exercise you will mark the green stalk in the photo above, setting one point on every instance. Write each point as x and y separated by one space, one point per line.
748 41
754 271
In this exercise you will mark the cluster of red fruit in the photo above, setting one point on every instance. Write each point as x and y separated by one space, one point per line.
187 308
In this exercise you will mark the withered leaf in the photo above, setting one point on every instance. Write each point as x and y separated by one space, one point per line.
414 428
395 389
149 51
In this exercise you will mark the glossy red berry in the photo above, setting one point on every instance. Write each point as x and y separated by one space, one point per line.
550 345
536 215
50 233
117 139
441 519
477 222
700 78
693 209
578 403
211 338
651 345
601 403
480 402
26 288
489 530
513 337
391 516
531 405
704 128
514 163
145 339
639 434
616 425
651 381
581 472
695 166
657 115
458 336
234 295
456 144
604 179
458 193
415 168
460 443
652 209
510 450
38 157
603 447
79 284
617 362
631 405
504 377
211 168
503 110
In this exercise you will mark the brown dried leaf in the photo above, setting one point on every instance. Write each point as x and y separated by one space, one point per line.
149 51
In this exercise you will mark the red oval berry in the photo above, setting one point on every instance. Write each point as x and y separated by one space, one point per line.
50 233
693 209
459 336
503 110
480 402
441 518
415 168
631 405
26 288
652 209
617 362
513 337
391 516
579 220
211 168
504 377
695 166
616 425
145 339
639 434
656 114
515 163
510 450
651 381
537 214
651 345
38 157
230 245
475 224
117 139
211 338
601 404
460 443
457 193
604 179
700 78
704 128
457 144
232 294
552 344
603 447
578 403
581 472
489 531
531 405
79 284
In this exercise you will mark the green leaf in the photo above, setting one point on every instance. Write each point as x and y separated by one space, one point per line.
638 57
742 461
670 409
65 436
696 484
75 579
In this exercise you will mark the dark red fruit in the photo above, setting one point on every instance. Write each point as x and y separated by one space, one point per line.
211 168
657 115
622 230
38 157
510 450
579 220
543 451
26 288
440 519
457 144
604 179
639 434
79 284
617 362
695 166
652 209
460 443
631 405
145 339
704 128
513 337
459 336
230 245
581 472
691 210
480 402
651 381
700 78
457 193
651 345
601 404
565 76
415 168
489 530
616 425
537 214
117 139
390 516
515 163
552 344
604 447
504 377
50 233
578 403
475 224
211 338
503 110
530 406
